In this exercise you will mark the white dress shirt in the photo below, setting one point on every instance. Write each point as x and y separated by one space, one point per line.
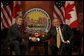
61 34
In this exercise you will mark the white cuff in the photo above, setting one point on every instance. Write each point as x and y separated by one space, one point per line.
38 39
68 41
29 38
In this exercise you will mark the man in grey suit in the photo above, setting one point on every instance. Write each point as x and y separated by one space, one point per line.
15 37
62 35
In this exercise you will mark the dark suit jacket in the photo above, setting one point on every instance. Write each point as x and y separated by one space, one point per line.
65 30
14 33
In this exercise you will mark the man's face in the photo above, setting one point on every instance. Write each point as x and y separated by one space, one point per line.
56 22
19 21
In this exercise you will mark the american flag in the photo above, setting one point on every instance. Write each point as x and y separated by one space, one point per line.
9 11
66 12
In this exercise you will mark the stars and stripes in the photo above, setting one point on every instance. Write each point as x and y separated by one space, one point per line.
9 9
59 4
59 10
6 16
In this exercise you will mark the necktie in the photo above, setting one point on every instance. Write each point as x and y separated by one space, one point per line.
58 38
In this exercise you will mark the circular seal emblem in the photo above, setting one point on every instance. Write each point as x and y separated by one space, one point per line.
37 20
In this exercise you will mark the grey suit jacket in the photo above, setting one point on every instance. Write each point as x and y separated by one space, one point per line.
14 33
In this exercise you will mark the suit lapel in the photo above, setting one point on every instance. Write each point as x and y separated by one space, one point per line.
61 28
55 31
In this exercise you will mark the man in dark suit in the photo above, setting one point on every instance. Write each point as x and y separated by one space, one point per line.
62 35
15 37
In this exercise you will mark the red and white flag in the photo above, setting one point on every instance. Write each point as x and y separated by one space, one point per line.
9 11
66 12
17 9
6 14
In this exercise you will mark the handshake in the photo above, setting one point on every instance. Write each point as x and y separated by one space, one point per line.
34 39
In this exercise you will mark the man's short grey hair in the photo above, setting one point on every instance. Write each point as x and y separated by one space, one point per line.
18 17
55 19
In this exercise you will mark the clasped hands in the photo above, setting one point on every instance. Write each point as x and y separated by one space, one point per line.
34 39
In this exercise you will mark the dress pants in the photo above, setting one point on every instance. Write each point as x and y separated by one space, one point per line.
63 49
19 48
53 49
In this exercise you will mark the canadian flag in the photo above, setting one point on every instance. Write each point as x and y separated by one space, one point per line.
70 14
66 12
17 10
